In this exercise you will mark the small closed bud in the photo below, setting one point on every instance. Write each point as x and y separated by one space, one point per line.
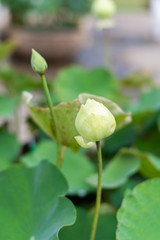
94 122
38 63
103 8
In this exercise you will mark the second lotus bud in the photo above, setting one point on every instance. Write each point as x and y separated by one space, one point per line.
103 8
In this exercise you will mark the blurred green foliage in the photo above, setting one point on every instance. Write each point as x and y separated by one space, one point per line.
8 106
72 81
131 5
16 82
10 148
62 11
6 48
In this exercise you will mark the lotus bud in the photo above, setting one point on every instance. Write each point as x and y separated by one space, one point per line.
94 122
38 63
103 8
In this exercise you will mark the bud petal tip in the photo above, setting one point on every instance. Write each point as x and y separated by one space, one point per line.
83 142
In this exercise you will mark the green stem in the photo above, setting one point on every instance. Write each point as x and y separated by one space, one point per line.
99 191
54 120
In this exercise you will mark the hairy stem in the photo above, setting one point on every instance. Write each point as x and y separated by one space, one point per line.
99 191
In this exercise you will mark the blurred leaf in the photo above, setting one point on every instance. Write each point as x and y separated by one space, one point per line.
30 201
66 113
148 104
76 167
48 6
17 82
118 170
79 7
74 80
158 123
149 163
45 150
9 148
121 117
138 217
82 228
6 49
135 5
149 141
121 138
18 10
8 105
138 80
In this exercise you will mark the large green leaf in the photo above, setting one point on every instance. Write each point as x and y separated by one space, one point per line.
9 148
138 217
82 228
76 167
121 117
8 105
32 205
118 170
74 80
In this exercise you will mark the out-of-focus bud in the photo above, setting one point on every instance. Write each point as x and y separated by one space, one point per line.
38 63
103 8
93 122
27 97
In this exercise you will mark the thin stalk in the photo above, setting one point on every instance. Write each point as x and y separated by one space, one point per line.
107 49
54 120
99 192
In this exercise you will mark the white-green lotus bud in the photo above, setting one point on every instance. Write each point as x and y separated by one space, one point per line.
93 122
103 8
38 63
